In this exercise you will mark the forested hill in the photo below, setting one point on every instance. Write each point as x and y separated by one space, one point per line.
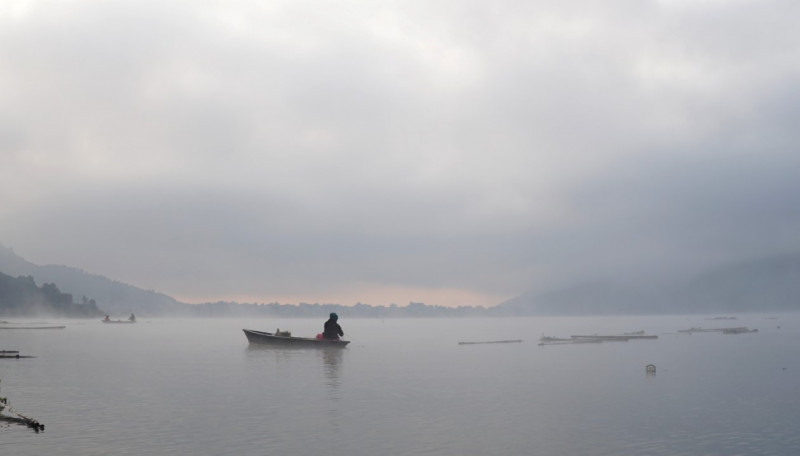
770 284
21 297
112 296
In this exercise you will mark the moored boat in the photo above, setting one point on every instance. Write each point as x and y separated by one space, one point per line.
265 338
131 319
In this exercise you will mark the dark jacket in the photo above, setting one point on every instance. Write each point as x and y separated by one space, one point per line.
332 330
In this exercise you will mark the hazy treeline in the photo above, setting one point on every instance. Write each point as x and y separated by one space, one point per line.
113 297
21 297
770 284
316 310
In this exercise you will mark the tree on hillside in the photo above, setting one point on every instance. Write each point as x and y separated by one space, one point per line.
22 297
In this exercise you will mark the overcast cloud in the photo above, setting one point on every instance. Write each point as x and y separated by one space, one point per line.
453 152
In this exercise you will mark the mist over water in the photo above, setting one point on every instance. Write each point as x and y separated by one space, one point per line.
405 387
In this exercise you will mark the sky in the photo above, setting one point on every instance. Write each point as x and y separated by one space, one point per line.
446 152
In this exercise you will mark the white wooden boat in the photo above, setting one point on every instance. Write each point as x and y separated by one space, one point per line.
265 338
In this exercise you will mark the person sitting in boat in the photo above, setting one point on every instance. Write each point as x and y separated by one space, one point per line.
332 328
107 318
132 317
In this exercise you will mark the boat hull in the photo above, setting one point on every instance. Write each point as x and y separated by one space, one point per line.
265 338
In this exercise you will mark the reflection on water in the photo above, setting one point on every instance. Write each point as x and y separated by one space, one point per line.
197 387
331 359
331 365
279 365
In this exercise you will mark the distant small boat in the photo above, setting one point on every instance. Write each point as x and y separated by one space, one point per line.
265 338
118 321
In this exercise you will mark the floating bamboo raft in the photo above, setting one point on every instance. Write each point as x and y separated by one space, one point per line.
737 330
12 354
491 342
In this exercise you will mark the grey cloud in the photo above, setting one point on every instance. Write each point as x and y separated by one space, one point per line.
276 148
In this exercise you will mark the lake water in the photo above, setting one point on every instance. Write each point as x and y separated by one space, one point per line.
405 387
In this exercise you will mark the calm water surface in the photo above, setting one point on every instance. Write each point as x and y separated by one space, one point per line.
405 387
